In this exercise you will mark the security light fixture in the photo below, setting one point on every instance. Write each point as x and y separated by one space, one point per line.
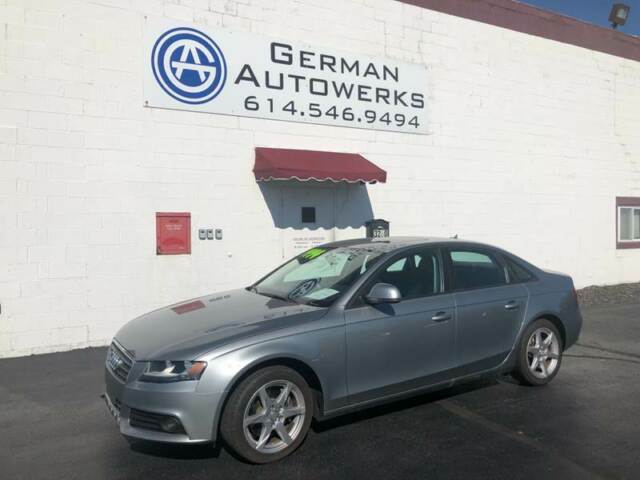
619 14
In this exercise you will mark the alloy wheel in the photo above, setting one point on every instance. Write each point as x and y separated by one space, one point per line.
543 353
274 416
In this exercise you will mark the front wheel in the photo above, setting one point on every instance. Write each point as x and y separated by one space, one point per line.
268 415
540 354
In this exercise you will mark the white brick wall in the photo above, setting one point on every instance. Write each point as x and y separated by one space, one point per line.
531 142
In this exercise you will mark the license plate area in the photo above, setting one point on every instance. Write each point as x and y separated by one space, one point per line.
113 409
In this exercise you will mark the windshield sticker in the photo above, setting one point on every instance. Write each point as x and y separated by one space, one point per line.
303 288
313 253
363 268
322 294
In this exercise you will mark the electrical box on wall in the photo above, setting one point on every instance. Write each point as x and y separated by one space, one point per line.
173 233
377 228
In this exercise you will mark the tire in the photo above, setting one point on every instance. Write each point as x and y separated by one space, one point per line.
535 344
273 432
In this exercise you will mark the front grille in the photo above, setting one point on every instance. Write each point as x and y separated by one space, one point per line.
119 361
155 421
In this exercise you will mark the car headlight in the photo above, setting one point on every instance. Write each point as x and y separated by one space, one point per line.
166 371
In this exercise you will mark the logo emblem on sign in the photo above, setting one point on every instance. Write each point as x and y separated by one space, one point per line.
188 65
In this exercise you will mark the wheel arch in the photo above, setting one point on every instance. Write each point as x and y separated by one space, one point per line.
298 365
555 319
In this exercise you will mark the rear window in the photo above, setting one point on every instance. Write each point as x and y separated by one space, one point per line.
517 273
475 269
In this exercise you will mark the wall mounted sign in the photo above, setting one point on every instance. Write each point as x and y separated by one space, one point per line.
215 70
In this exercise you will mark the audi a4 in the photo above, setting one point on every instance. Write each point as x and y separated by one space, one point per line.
338 328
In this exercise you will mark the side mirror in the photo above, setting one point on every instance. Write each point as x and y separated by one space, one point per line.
383 293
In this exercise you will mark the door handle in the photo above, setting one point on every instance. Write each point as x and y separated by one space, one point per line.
512 305
441 317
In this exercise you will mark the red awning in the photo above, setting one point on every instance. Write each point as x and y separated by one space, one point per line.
286 164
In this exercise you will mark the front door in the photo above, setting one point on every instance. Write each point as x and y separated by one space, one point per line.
308 216
397 347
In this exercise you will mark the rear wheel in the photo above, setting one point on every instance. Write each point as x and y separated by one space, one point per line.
540 353
268 415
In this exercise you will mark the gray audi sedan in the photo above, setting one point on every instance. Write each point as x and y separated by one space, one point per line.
340 327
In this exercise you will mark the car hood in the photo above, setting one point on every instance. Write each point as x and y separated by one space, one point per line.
184 331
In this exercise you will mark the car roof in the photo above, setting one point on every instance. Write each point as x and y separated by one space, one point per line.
389 244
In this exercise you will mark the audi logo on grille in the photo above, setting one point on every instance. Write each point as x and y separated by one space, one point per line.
113 360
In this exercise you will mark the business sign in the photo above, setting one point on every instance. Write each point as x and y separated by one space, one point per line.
215 70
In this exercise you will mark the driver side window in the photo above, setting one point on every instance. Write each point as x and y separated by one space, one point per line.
416 275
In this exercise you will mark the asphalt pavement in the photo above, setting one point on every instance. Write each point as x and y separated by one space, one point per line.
585 424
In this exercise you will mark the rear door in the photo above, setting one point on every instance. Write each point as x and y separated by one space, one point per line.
489 310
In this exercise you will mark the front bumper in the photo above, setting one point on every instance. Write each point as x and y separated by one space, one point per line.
195 410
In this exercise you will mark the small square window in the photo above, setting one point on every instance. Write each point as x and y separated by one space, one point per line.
628 222
308 214
629 229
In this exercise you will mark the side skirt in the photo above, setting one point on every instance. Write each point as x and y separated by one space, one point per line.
431 383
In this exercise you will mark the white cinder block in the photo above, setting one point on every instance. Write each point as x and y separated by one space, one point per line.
529 143
8 135
23 342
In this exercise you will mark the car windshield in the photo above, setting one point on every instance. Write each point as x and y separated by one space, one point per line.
318 276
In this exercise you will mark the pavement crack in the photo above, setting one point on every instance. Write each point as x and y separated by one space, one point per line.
608 350
600 357
517 436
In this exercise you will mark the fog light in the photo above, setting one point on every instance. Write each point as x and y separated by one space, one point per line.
171 425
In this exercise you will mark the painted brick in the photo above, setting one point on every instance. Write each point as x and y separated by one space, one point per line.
84 167
8 135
